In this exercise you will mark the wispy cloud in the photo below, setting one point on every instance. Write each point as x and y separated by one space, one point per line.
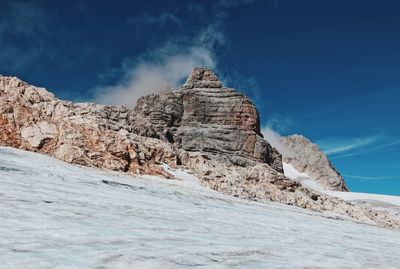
272 130
336 145
383 146
274 139
369 178
276 125
157 19
279 123
167 65
339 147
154 75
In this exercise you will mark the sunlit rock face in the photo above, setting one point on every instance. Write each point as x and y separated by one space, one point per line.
82 133
211 131
205 117
308 158
201 117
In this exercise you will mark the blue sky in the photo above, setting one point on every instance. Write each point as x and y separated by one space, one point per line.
326 69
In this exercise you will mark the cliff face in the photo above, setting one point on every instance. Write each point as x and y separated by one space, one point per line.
87 134
202 117
205 117
209 130
308 158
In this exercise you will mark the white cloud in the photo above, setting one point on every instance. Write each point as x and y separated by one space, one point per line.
339 147
360 177
150 76
336 145
165 67
383 146
274 139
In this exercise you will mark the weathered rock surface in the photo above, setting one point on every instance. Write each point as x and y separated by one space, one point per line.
87 134
205 128
308 158
205 117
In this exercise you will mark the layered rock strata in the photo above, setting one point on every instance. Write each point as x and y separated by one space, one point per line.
205 117
207 129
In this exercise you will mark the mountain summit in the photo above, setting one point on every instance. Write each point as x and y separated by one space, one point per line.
205 117
204 128
201 77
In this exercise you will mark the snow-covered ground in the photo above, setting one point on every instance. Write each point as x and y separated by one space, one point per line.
302 178
378 201
56 215
358 196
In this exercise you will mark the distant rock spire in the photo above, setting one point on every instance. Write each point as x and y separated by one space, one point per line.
202 77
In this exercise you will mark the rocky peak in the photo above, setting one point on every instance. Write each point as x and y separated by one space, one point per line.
307 157
205 117
201 77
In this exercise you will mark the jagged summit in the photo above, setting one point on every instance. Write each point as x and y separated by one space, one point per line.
202 77
222 123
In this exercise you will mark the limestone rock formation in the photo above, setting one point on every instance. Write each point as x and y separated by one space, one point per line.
205 117
209 130
308 158
94 135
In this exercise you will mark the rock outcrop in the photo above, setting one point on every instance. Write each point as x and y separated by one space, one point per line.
205 117
308 158
31 118
207 129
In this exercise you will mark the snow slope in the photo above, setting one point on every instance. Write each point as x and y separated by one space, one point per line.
56 215
302 178
354 196
379 201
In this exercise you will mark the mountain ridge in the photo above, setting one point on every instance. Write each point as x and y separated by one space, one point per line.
218 141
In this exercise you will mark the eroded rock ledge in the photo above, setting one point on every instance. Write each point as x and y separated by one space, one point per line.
212 131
